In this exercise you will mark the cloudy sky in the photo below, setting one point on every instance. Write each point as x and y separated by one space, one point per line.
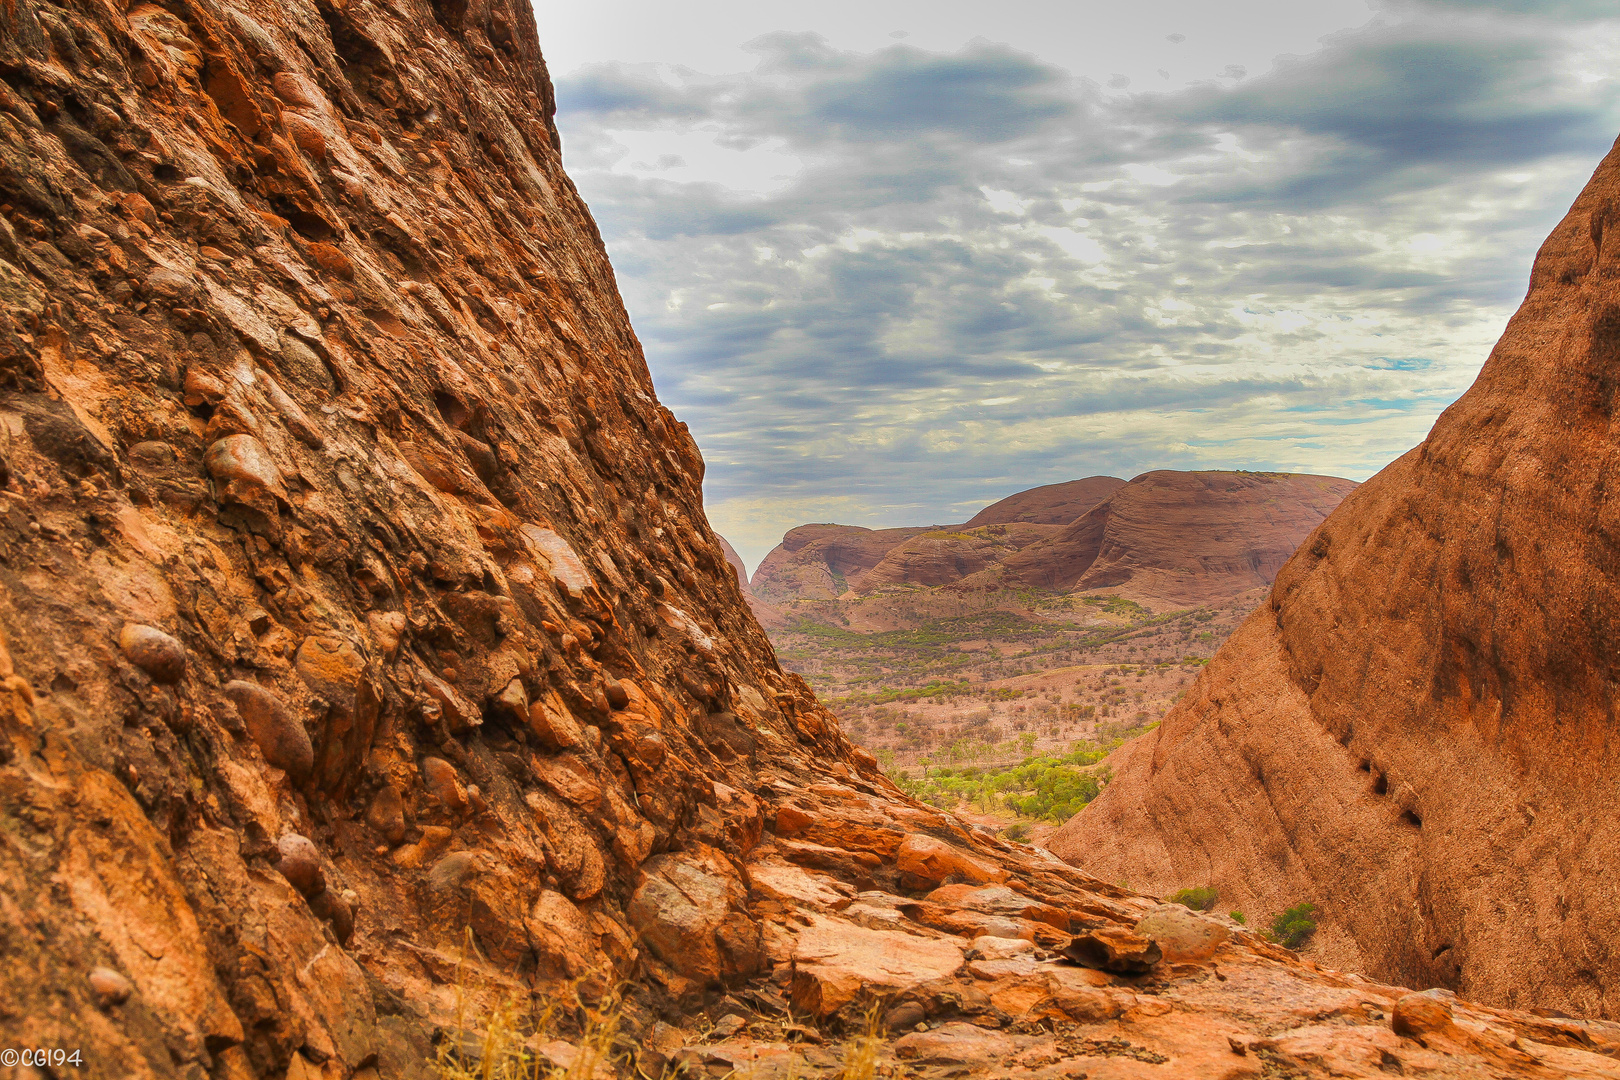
893 260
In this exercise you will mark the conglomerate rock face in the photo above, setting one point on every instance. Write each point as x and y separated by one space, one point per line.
1417 732
369 667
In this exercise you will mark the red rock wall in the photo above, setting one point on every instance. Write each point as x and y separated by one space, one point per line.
1417 732
344 548
1050 504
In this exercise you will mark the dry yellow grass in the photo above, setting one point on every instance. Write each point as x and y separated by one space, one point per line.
512 1041
861 1052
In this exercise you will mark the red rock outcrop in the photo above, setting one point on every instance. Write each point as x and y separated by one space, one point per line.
1167 538
944 556
816 562
1183 538
1051 504
823 562
1416 732
370 668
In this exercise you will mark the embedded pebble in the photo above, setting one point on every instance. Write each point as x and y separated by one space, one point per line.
513 699
386 815
904 1016
300 864
452 870
306 136
280 735
443 783
154 652
554 726
110 986
337 910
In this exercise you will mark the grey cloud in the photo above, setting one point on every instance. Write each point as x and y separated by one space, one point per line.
628 93
808 92
1123 288
1464 96
1574 10
986 94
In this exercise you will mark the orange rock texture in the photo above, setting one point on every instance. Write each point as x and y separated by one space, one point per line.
1417 731
369 665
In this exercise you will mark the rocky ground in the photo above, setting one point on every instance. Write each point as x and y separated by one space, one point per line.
1023 968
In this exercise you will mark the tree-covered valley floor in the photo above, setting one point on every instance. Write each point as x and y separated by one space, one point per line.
1005 715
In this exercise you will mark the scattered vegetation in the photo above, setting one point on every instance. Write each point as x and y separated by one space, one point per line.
1017 832
1198 899
1238 917
1042 786
861 1052
1294 927
501 1044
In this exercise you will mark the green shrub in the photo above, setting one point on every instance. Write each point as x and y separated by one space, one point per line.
1018 832
1199 899
1294 927
1239 918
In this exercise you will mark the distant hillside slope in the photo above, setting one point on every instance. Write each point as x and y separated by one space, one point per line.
815 562
1050 504
1183 537
824 562
1166 538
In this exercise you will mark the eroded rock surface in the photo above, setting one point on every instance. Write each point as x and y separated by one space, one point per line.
1176 539
369 665
1183 538
1416 731
1049 504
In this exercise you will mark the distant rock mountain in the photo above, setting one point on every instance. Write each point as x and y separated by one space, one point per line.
948 555
1050 504
1183 537
1174 538
816 562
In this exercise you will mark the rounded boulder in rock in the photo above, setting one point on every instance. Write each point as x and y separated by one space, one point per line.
300 863
161 656
279 734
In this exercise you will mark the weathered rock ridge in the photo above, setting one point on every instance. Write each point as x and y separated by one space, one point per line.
1050 504
1183 537
1416 732
369 662
1169 538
